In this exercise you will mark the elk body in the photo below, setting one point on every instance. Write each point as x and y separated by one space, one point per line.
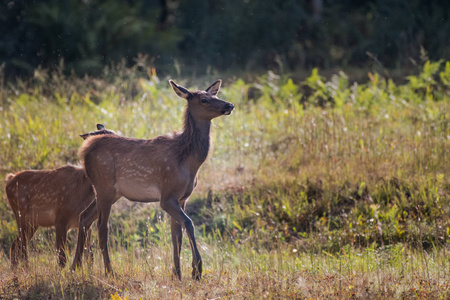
46 198
161 169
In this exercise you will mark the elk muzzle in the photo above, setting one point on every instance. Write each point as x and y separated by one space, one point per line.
227 109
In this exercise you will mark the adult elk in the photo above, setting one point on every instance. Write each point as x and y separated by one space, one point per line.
161 169
46 198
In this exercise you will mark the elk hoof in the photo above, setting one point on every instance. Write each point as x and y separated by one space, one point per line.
196 275
177 273
197 270
62 263
74 266
110 273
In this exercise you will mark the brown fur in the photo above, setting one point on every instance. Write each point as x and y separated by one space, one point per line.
46 198
161 169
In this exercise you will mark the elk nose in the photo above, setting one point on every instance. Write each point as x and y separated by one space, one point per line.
229 106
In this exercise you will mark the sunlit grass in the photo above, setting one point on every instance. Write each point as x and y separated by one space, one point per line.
239 272
324 188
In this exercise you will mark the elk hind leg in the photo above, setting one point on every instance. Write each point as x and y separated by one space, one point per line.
61 236
104 203
87 217
18 250
88 248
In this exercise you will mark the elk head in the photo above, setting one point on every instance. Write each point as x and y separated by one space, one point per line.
100 130
204 105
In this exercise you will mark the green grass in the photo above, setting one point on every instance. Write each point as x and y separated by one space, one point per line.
321 188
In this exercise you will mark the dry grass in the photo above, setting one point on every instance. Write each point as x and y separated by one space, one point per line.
324 189
238 273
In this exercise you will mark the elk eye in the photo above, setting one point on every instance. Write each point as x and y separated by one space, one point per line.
204 101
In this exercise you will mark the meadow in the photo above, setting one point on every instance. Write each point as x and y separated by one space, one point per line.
320 188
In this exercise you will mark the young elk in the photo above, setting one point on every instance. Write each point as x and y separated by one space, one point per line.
46 198
161 169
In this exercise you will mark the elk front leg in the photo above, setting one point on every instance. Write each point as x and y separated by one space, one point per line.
61 236
86 218
177 236
173 208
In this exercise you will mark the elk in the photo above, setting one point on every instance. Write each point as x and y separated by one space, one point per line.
162 169
46 198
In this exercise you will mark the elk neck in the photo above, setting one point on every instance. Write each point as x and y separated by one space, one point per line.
195 140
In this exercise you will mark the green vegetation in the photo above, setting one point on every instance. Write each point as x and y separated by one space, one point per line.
320 188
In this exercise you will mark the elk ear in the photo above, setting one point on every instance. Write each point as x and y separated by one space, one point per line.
100 127
181 91
214 88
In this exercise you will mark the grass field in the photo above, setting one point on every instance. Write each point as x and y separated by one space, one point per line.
323 188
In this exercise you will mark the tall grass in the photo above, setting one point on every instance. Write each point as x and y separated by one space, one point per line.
321 188
238 272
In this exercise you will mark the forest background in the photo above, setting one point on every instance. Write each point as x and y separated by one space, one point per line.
198 37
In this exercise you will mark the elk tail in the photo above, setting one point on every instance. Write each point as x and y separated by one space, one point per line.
9 177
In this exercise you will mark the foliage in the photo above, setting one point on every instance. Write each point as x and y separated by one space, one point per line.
358 163
240 33
87 35
207 36
322 180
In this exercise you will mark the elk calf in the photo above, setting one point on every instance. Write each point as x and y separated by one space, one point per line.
46 198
